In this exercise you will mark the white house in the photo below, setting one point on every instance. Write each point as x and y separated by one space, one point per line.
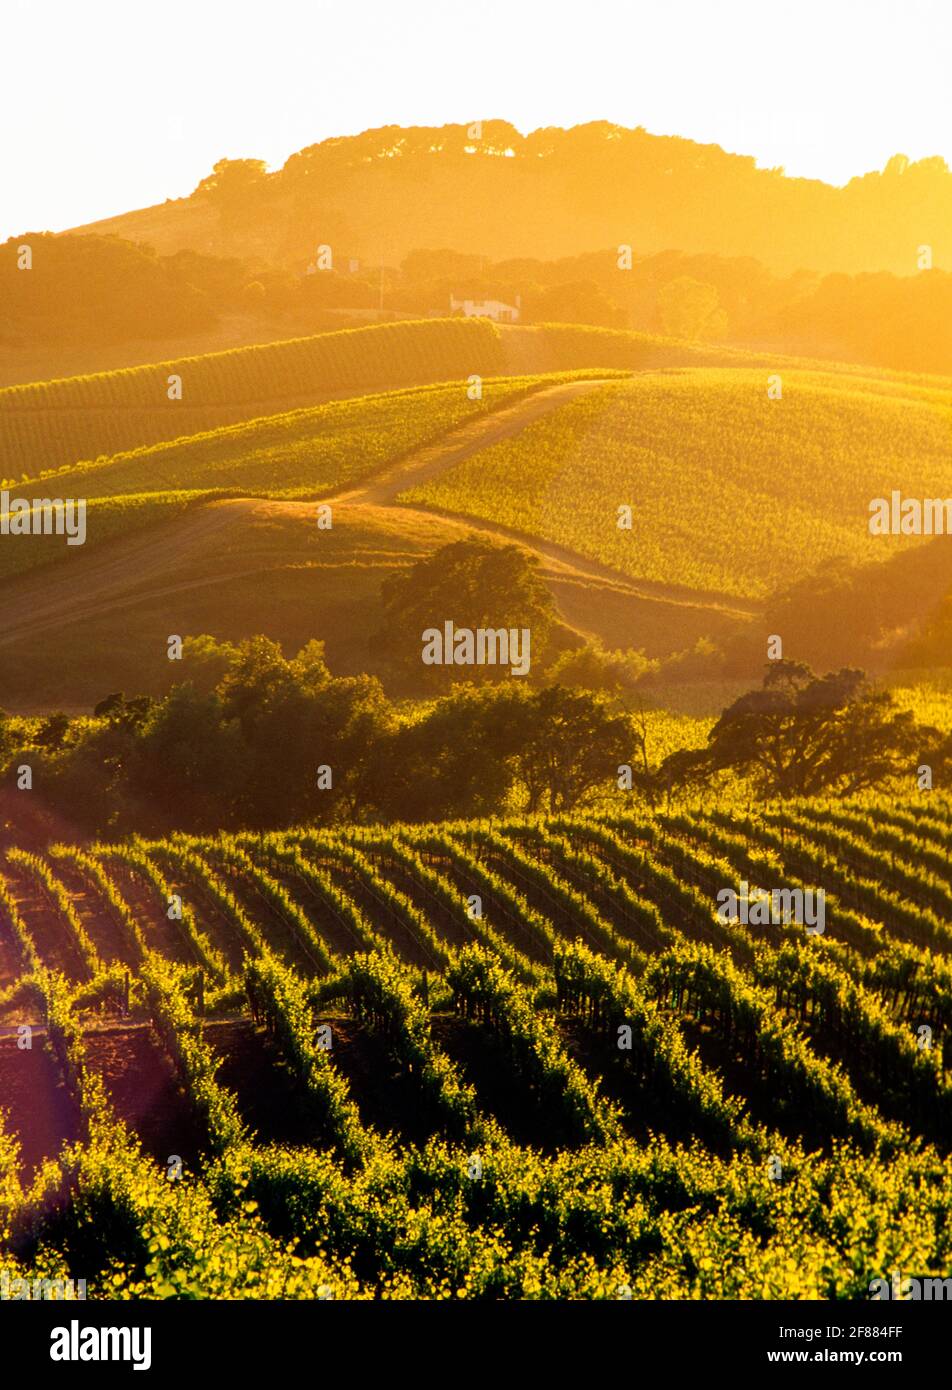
487 309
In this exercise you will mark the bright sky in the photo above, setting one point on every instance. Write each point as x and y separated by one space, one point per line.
108 105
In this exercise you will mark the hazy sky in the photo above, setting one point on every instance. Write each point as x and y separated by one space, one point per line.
107 105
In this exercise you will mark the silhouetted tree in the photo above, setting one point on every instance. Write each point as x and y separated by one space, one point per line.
802 734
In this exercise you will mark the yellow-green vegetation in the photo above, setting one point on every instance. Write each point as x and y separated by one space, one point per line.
299 454
350 359
106 517
48 424
929 700
666 730
304 453
771 1128
730 491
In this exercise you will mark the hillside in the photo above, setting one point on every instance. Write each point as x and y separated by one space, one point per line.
161 556
314 453
544 460
554 192
239 567
303 453
583 1088
50 425
476 682
893 614
729 490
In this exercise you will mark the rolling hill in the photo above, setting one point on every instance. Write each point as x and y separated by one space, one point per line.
728 490
53 424
724 485
72 632
553 192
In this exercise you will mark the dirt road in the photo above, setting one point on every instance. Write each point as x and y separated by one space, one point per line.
125 571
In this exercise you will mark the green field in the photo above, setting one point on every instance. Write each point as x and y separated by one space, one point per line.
301 454
730 491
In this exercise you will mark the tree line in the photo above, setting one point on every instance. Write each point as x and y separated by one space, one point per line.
250 738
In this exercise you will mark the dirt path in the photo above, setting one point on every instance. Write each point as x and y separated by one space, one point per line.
51 934
431 460
41 1112
129 570
145 1090
567 565
130 566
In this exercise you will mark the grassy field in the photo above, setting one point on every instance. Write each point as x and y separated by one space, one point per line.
74 631
730 491
400 1098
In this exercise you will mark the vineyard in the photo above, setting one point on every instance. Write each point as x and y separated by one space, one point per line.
792 478
303 453
47 425
521 1059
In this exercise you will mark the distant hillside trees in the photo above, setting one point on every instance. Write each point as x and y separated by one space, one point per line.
91 291
96 290
691 310
553 192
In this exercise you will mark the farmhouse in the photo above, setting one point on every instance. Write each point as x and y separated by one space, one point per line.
487 309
